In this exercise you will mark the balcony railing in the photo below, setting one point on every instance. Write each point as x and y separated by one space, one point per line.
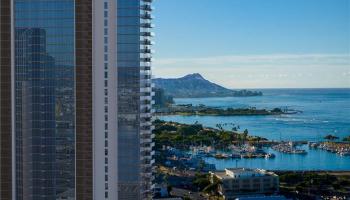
147 135
147 34
146 50
146 68
146 59
146 42
146 7
146 25
146 16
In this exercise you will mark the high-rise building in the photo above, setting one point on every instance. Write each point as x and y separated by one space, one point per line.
75 99
134 98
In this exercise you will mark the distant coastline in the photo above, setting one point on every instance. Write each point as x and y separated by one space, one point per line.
202 110
336 88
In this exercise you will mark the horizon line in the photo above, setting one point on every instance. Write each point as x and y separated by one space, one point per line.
306 88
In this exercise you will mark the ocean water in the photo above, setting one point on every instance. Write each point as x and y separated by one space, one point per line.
324 111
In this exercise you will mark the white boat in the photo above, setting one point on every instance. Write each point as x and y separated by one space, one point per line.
270 155
344 153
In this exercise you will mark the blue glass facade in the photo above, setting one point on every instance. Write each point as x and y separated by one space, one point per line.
44 99
134 99
128 55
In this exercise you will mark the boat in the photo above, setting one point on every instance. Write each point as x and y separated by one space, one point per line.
288 148
201 153
221 156
270 155
313 144
298 151
344 153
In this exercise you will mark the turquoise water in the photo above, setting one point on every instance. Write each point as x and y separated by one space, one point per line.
325 111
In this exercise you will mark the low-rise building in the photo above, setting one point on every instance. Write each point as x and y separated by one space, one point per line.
273 197
236 182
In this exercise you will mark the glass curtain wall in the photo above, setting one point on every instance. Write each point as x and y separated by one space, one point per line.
128 64
44 99
134 99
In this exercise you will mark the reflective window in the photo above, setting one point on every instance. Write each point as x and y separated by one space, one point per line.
44 93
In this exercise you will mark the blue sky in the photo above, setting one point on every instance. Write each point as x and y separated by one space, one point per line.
255 43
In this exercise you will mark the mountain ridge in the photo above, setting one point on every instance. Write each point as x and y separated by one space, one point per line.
196 86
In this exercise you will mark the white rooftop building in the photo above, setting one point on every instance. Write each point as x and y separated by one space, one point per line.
238 182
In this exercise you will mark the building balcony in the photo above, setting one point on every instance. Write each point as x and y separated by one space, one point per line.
146 105
146 59
145 149
148 178
146 123
146 16
146 98
146 50
147 7
146 101
146 85
145 89
146 110
146 134
147 34
145 141
144 73
147 25
149 154
153 144
147 76
147 175
145 68
146 192
146 119
147 169
149 157
146 81
147 127
146 42
148 161
145 55
146 138
150 94
145 115
144 158
148 145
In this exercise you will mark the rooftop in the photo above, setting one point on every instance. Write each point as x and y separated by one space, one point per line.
229 173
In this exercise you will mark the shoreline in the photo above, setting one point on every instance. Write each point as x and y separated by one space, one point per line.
202 110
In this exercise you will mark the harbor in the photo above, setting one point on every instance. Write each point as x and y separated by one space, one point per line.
341 148
253 150
206 158
233 152
288 147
